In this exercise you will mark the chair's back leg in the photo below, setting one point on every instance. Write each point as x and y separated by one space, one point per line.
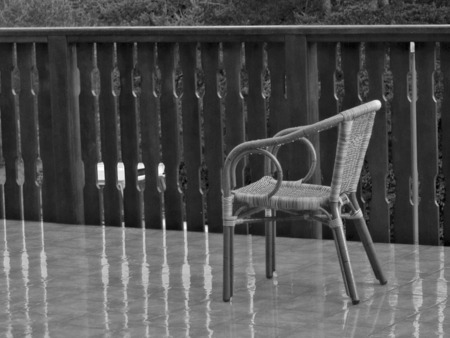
270 231
366 239
228 262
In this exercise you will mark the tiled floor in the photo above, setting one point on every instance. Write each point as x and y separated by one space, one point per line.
84 281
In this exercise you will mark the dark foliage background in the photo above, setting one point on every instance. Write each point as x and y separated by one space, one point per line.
220 12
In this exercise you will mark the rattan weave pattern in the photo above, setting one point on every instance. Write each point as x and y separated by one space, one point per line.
359 140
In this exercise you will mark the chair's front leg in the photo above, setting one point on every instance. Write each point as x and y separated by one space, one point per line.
270 230
229 222
228 262
337 228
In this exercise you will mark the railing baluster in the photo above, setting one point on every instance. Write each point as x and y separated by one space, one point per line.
326 54
191 137
313 116
150 135
256 110
427 144
377 153
66 131
401 136
298 108
256 103
234 110
13 203
109 135
45 135
28 130
170 137
277 112
350 66
233 101
279 118
88 134
445 131
214 155
129 135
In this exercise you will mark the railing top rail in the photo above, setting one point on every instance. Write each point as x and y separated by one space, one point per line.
313 33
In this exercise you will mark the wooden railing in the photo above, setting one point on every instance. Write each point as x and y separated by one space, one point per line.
184 96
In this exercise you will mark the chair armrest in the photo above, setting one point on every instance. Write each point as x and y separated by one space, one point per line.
261 146
312 151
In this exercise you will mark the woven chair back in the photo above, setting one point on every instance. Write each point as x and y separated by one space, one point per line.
353 140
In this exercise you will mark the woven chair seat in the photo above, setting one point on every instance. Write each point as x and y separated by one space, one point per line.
291 195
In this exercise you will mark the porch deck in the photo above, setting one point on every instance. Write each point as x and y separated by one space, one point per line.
85 281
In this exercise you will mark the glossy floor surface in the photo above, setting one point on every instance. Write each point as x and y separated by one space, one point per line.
84 281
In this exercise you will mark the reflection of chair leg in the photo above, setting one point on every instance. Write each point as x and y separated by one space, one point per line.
366 239
228 234
344 260
270 245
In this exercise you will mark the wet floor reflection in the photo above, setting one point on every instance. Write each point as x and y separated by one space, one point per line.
417 292
44 281
251 286
207 285
145 280
442 293
105 280
165 280
125 278
7 285
25 264
67 281
186 279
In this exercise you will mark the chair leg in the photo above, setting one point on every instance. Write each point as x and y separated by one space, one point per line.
270 231
344 260
228 262
366 239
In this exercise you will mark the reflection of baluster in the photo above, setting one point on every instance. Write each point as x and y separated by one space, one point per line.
165 279
275 323
105 279
125 280
186 277
393 295
417 293
44 280
207 284
442 292
145 272
6 270
26 280
251 284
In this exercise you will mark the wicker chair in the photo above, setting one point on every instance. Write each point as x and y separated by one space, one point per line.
304 201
